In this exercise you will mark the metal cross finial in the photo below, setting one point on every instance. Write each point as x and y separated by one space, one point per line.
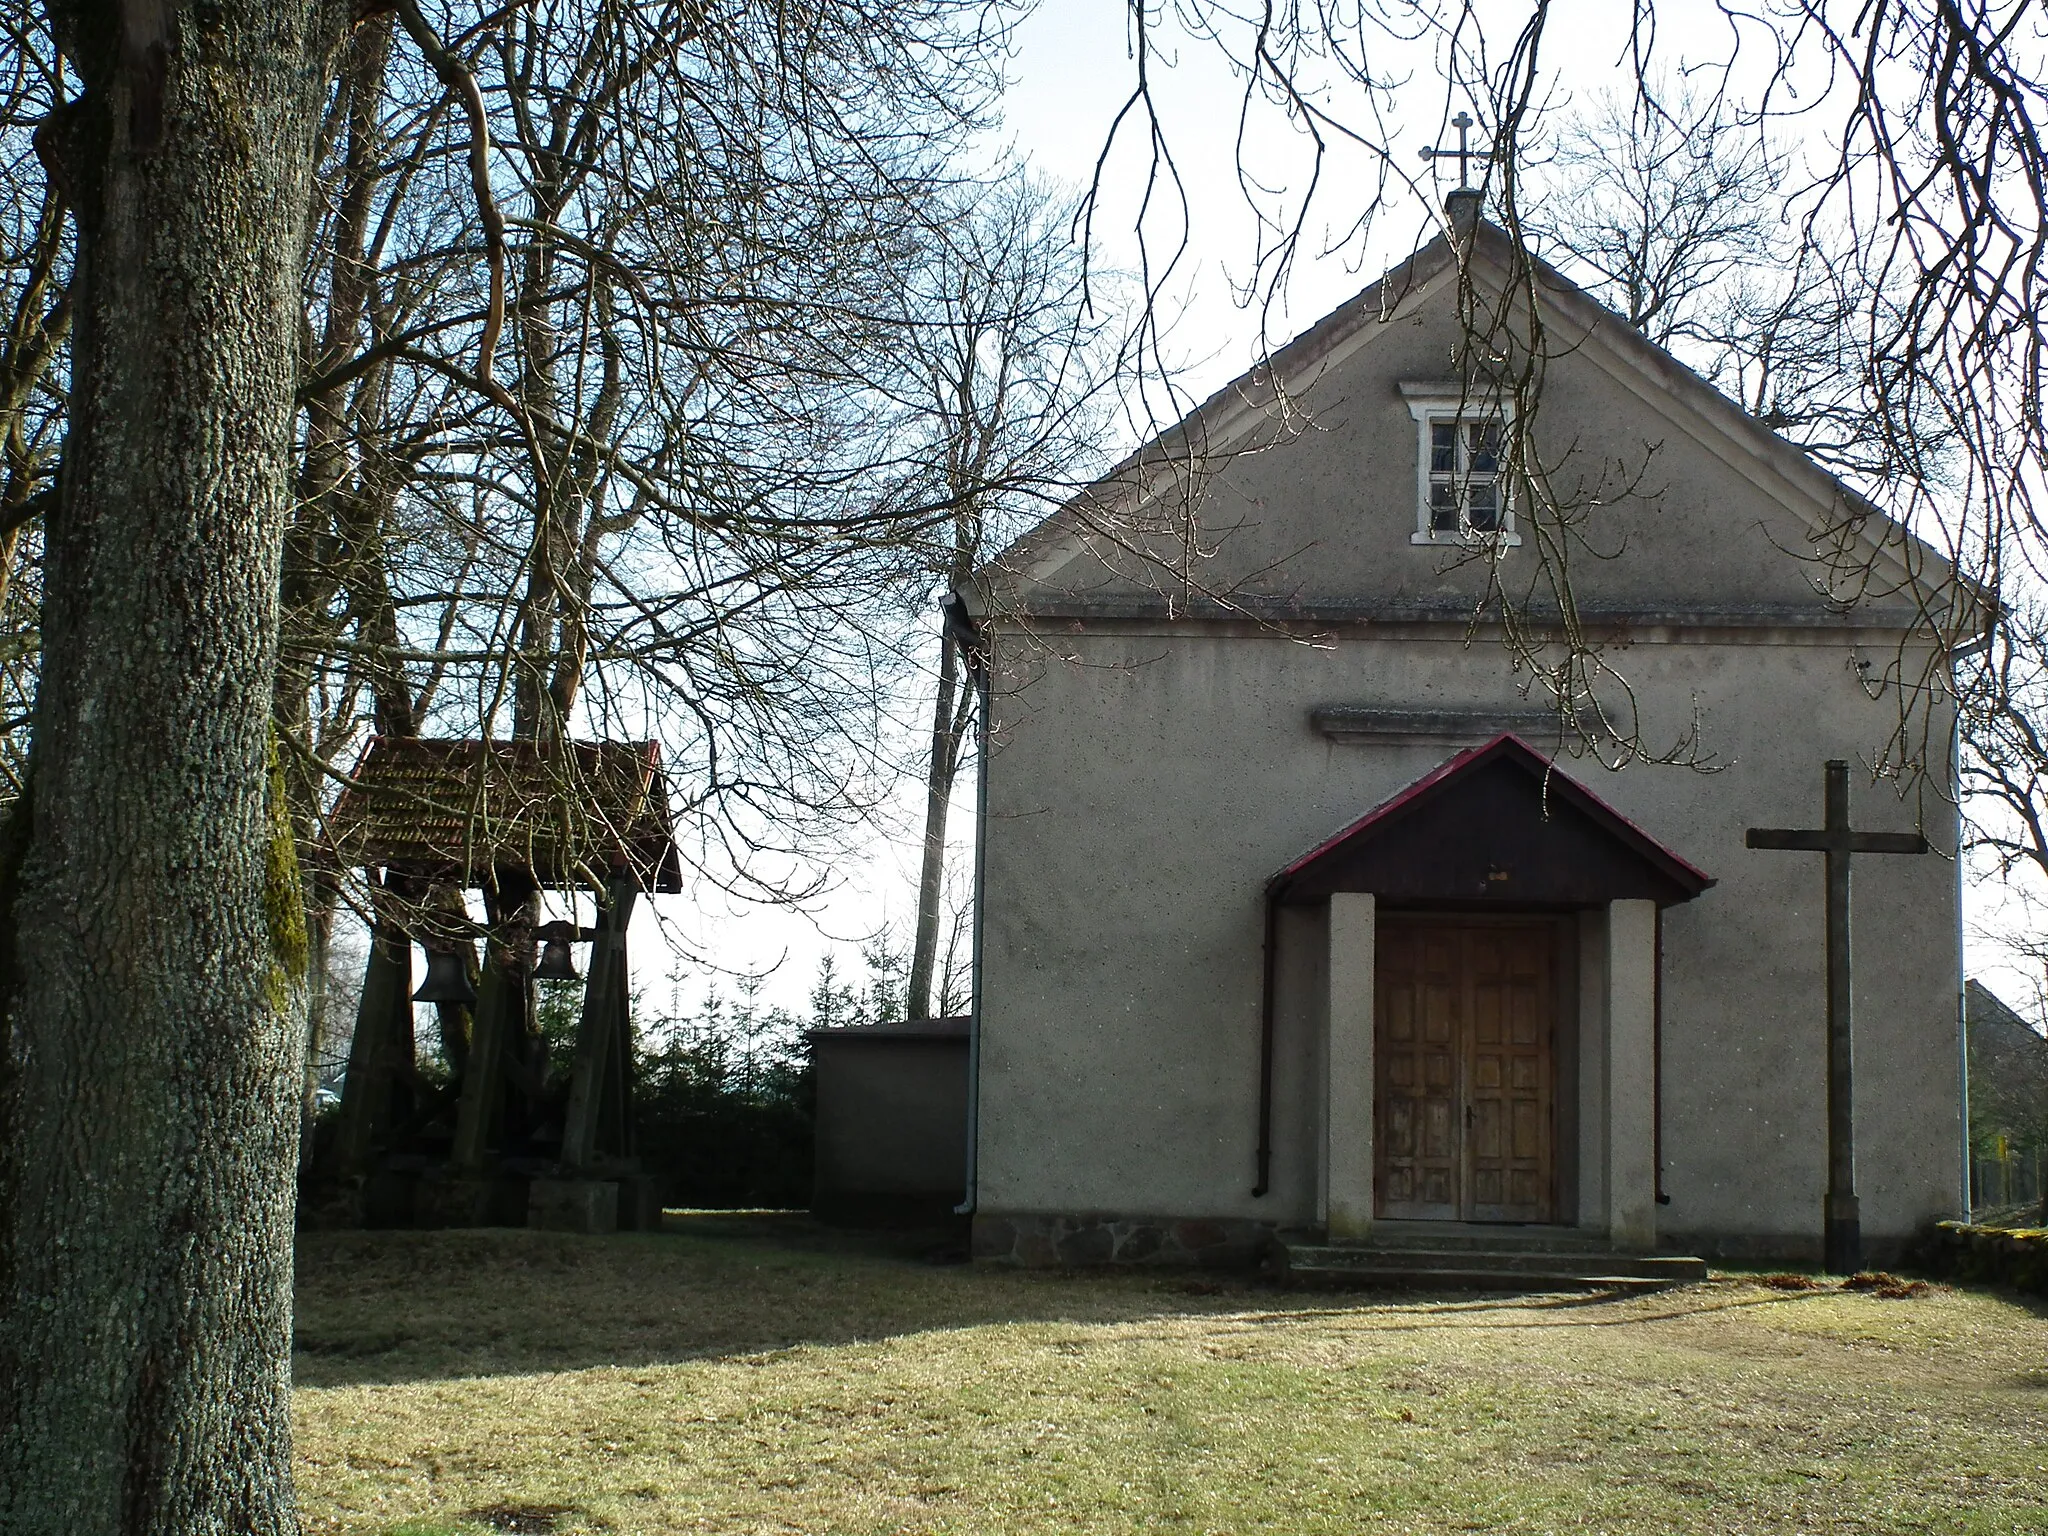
1464 152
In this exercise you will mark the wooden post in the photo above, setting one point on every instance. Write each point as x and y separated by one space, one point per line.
598 1121
483 1086
383 1032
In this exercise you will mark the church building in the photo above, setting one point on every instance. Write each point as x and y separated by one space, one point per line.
1308 911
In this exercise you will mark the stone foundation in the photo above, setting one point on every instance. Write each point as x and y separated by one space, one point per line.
573 1205
1788 1250
1040 1240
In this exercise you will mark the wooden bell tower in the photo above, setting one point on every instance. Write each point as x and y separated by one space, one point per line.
502 1140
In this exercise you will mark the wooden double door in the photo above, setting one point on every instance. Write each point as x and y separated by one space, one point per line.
1465 1067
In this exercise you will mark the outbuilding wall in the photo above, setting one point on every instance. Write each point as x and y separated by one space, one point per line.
891 1123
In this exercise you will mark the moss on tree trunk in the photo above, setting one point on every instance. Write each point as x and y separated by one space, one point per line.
157 946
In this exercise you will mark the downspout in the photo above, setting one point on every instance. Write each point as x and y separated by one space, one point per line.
960 629
1266 985
1955 779
1657 1062
1962 1005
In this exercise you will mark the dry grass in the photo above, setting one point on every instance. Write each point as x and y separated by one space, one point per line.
758 1377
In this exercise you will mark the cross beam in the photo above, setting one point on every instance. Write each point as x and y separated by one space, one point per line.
1842 1219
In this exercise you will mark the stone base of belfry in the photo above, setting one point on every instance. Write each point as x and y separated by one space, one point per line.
1047 1240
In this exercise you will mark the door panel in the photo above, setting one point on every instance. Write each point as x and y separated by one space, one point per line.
1417 1008
1508 970
1465 1020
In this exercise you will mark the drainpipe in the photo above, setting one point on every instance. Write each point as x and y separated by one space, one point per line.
1267 968
1955 767
1962 979
960 629
1657 1063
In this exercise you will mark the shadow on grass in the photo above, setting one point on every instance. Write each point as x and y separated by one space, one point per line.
391 1307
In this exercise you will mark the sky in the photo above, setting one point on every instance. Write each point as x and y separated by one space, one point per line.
1071 73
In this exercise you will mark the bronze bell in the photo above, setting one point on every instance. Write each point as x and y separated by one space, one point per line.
447 980
557 960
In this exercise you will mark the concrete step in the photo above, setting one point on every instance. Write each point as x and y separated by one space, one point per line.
1478 1280
1482 1238
1481 1269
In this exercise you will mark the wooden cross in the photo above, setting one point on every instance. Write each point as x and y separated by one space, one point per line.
1463 153
1842 1229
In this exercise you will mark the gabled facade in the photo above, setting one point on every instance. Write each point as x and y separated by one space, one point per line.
1526 989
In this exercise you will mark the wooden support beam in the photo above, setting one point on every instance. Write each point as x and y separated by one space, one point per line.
597 1127
378 1089
500 1009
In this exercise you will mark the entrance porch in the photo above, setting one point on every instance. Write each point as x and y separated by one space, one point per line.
1491 1037
1492 1070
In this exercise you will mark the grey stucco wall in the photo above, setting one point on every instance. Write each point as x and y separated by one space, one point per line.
1327 503
1141 793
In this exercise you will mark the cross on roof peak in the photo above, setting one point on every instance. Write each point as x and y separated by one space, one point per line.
1464 153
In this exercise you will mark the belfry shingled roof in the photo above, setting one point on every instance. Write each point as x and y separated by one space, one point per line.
458 809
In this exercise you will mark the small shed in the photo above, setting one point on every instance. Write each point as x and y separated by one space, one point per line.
2008 1102
891 1123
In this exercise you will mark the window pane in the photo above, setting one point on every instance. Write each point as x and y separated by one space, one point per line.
1485 444
1443 506
1443 447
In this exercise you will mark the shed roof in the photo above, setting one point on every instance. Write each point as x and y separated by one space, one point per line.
569 815
2000 1023
952 1027
1496 825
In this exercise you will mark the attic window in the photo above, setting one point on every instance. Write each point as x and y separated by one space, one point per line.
1461 495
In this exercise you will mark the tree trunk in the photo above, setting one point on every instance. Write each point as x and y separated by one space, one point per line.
154 943
938 797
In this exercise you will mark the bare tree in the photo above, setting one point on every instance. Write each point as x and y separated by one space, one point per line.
35 323
154 943
579 310
1007 374
1669 218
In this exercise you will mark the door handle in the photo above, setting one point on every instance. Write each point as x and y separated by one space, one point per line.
1468 1117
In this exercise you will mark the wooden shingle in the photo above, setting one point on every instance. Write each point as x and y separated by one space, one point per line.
456 810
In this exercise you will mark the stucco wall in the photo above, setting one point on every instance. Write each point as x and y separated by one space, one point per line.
1142 791
1327 505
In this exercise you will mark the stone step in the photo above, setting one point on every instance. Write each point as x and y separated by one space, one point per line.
1481 1269
1408 1235
1521 1260
1478 1280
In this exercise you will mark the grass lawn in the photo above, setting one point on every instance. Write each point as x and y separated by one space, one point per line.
757 1375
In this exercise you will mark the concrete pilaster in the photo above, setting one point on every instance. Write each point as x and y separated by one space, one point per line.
1592 1086
1631 977
1348 1150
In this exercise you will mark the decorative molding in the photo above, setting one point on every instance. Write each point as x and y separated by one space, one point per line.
1462 612
1370 725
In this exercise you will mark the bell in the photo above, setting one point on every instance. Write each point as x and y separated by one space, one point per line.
557 960
447 980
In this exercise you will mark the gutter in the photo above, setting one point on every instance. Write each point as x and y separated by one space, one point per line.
960 629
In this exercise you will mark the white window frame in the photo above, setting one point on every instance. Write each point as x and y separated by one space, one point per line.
1434 405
